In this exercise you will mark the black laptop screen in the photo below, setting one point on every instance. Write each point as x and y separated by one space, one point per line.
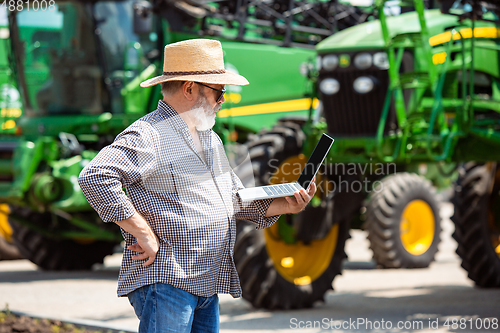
315 161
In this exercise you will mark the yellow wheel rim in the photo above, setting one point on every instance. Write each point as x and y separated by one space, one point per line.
299 263
417 227
5 229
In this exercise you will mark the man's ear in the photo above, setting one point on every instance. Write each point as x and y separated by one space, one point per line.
188 90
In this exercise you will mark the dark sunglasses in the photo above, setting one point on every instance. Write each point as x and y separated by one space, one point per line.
221 91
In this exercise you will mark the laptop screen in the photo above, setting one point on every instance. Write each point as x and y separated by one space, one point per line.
318 155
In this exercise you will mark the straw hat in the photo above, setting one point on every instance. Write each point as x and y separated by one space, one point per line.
198 60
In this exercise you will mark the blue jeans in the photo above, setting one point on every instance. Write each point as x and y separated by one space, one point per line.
163 308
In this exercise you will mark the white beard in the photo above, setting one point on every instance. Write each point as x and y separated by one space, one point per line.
202 115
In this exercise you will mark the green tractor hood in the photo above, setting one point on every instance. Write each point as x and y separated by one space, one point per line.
368 36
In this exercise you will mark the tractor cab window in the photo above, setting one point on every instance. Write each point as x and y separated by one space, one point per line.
126 54
79 58
59 56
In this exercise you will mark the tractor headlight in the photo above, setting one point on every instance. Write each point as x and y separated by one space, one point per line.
318 63
380 60
363 85
329 86
330 62
363 61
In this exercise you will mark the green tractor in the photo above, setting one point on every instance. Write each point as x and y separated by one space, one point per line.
70 74
397 93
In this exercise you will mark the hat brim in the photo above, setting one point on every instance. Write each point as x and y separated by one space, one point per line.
225 78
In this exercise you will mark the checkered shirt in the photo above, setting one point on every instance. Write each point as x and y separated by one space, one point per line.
192 205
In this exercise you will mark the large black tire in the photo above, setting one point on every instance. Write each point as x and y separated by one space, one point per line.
385 217
262 283
477 222
55 254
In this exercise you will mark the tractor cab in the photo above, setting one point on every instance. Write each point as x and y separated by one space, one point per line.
81 58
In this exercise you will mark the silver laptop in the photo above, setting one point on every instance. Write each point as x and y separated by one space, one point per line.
284 190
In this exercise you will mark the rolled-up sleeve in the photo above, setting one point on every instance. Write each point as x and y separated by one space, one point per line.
252 211
127 160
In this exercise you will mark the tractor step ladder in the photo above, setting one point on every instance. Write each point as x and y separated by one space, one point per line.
400 81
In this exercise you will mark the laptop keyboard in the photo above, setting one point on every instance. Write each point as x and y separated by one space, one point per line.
279 189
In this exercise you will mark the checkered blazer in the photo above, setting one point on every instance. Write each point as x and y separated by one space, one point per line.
189 203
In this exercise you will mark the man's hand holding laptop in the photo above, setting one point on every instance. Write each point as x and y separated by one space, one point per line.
295 204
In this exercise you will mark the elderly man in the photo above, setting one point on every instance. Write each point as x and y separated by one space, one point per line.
178 215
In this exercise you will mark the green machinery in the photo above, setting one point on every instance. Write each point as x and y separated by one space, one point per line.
69 77
421 87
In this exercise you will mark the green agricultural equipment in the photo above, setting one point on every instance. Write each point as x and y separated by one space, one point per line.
398 94
70 74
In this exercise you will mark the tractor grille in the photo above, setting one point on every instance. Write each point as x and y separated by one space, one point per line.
351 114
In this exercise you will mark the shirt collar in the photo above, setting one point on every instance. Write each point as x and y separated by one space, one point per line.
172 116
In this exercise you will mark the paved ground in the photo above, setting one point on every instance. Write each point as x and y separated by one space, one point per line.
363 296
